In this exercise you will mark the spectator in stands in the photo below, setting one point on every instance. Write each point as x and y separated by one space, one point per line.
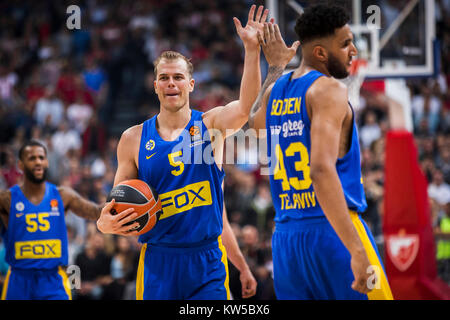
426 106
8 81
49 109
93 137
122 268
94 266
438 190
79 113
370 131
442 232
65 139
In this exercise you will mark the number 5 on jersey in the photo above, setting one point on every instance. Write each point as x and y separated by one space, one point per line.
300 166
179 165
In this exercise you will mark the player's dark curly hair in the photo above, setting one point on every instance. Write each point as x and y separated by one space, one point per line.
31 143
319 21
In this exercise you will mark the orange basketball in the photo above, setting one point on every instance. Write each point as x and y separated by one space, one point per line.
142 198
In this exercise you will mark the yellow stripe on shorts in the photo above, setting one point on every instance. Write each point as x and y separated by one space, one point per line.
225 262
66 282
381 290
5 285
140 274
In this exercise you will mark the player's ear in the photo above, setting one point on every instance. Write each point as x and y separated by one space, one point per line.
191 84
21 165
320 53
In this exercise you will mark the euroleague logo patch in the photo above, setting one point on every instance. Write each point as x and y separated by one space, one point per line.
194 132
54 206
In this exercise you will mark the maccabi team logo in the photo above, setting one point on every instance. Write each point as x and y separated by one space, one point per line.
150 145
20 206
402 249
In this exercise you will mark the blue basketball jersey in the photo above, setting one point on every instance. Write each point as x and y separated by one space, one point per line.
36 237
188 181
289 151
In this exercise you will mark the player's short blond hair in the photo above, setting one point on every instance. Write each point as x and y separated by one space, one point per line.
171 56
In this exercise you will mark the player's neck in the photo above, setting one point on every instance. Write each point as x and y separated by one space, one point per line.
170 123
34 192
307 66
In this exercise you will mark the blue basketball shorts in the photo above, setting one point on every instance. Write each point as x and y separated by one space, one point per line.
188 273
36 284
310 262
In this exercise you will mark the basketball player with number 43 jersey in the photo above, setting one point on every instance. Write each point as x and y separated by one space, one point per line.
322 249
179 153
34 230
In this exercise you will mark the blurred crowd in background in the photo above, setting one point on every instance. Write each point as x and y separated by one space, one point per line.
77 90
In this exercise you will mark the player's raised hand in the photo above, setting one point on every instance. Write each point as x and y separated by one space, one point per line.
274 47
255 24
109 223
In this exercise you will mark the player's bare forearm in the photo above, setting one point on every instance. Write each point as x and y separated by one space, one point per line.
5 203
80 206
251 80
126 150
330 195
331 198
233 251
86 209
232 117
278 56
273 74
236 257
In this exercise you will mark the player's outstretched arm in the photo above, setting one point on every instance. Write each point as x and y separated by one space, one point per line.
278 56
327 98
126 169
236 257
5 204
82 207
231 117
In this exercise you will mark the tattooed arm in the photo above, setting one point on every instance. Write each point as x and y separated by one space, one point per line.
77 204
278 56
5 204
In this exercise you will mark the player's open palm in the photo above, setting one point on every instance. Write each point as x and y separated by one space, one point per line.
274 47
255 23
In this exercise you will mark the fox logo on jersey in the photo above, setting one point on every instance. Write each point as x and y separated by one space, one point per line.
183 199
38 249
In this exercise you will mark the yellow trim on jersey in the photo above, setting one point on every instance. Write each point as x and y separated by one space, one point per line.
66 282
5 284
225 262
140 274
381 291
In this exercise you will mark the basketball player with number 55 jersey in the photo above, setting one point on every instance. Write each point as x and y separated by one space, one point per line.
179 153
34 230
321 247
